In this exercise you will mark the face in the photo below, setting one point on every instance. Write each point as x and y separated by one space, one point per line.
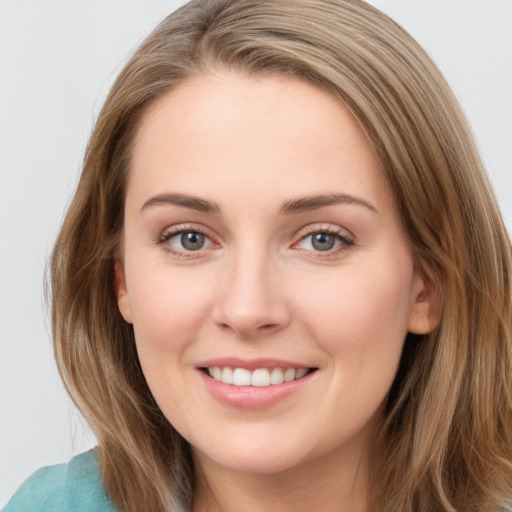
265 272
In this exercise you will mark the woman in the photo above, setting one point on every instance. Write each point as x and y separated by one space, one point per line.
283 272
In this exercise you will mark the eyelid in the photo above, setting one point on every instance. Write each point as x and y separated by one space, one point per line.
175 229
172 231
324 227
346 238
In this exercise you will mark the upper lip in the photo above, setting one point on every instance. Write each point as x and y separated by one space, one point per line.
251 364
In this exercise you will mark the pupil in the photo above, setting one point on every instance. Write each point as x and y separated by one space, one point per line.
192 241
323 241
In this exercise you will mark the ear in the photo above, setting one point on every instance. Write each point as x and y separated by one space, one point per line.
123 301
425 309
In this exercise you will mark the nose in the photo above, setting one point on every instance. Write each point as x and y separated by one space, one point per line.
250 297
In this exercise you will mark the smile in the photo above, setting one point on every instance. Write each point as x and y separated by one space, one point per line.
260 377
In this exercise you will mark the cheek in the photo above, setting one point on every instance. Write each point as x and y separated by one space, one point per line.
168 315
167 308
359 310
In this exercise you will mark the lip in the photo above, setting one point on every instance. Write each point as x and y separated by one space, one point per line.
251 397
251 364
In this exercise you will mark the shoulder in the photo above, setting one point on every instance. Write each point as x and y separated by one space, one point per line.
75 487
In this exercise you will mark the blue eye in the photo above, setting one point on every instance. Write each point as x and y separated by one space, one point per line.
185 241
324 241
191 240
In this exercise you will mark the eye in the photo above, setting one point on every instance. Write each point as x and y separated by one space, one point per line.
190 240
322 241
181 241
326 241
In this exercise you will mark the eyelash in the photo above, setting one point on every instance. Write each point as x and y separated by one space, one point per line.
344 241
180 230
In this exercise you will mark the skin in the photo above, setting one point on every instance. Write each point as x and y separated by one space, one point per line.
258 287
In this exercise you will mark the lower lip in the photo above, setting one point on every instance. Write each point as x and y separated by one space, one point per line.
252 397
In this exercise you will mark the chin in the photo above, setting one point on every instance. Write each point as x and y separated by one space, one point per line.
246 443
257 454
256 463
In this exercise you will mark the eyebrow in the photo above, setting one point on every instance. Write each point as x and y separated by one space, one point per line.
192 202
293 206
309 203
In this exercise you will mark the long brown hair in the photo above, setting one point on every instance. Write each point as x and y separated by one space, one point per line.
446 442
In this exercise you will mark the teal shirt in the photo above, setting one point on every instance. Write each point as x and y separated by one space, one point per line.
72 487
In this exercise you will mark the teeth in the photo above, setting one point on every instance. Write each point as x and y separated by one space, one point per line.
300 373
241 377
289 375
227 375
261 377
276 377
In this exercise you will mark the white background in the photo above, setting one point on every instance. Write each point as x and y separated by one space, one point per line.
57 61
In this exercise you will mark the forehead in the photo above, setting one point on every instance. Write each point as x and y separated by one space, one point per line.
239 105
274 133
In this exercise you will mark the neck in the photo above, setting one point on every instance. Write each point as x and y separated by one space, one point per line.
323 485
